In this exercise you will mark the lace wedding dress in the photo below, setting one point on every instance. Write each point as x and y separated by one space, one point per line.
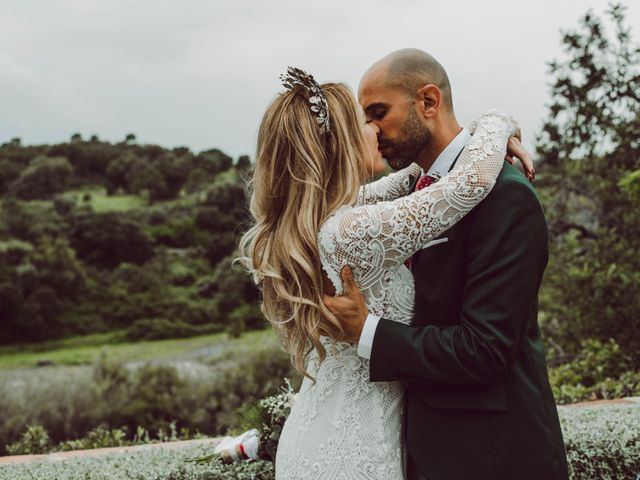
345 427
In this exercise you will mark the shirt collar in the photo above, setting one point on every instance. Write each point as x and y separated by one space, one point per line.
446 158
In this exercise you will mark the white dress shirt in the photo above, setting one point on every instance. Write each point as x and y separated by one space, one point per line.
438 170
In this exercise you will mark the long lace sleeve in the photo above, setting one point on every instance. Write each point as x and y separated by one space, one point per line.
390 187
374 239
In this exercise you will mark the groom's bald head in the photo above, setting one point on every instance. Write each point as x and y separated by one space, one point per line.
406 98
410 69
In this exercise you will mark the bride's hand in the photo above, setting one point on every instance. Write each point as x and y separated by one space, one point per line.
516 150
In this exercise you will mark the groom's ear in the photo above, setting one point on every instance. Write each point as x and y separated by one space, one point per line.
430 97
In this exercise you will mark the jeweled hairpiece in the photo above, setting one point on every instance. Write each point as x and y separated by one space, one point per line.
317 100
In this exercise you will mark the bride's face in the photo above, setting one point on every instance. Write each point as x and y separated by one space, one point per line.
374 164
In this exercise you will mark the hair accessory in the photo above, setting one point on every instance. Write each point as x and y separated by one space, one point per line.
317 100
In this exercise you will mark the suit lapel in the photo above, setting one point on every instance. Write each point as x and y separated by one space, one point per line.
453 164
414 182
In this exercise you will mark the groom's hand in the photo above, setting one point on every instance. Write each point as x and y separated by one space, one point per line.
349 308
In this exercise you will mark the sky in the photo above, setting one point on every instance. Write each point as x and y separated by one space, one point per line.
200 73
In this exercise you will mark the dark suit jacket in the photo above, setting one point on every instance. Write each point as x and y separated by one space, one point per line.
479 405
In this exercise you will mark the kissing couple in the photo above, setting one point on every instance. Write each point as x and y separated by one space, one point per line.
409 303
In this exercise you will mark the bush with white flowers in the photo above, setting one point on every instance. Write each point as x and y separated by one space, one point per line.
603 442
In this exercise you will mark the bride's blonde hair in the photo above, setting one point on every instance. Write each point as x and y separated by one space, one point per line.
301 177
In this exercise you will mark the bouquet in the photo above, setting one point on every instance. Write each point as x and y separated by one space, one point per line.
253 444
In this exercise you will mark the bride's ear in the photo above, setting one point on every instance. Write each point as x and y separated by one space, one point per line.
430 96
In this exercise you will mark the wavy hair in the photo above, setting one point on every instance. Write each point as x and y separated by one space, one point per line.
301 177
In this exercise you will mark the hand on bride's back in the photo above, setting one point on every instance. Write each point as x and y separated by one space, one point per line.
349 308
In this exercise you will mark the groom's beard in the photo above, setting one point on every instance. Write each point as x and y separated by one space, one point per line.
402 152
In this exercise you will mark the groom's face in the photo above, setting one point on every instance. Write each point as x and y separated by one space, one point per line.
395 118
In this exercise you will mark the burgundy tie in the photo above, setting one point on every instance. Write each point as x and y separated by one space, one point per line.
423 182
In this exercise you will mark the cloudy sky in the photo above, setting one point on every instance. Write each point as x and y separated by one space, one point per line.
200 73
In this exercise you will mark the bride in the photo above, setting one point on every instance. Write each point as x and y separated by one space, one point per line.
312 217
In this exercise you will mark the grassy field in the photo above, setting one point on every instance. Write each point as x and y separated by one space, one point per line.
86 349
101 202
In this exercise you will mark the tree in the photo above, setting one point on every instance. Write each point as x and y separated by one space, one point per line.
43 178
234 287
174 171
590 165
218 247
213 161
109 239
9 171
34 292
118 173
212 219
229 198
244 163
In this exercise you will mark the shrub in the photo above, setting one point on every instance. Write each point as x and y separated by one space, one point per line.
178 233
157 463
43 178
601 371
602 442
33 441
100 437
249 376
109 239
160 328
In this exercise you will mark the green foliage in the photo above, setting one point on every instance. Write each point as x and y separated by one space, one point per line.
268 416
601 371
117 173
630 185
213 161
16 221
602 442
218 247
69 402
244 163
233 287
159 328
245 317
33 441
43 178
154 398
109 239
90 160
157 463
590 156
177 233
36 288
174 171
9 171
99 437
120 204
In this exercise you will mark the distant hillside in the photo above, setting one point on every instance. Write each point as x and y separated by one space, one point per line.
96 236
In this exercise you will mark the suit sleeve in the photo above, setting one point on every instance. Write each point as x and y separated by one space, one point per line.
507 252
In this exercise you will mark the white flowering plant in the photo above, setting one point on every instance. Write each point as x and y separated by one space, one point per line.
277 408
267 416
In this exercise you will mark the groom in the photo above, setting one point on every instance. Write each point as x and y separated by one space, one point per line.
478 402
